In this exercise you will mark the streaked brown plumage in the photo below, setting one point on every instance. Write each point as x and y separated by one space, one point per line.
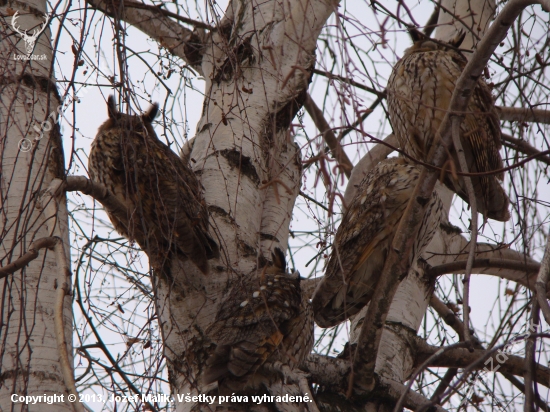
419 93
364 237
165 210
264 319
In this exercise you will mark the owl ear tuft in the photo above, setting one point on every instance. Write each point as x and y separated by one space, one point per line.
279 259
415 34
111 108
458 39
150 114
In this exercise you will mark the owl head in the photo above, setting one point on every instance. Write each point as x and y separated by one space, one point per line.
127 122
423 43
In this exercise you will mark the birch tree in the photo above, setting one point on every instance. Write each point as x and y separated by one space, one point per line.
293 92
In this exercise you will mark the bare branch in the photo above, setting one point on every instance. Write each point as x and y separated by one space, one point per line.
326 371
412 400
524 147
518 114
454 322
456 121
460 265
448 316
328 135
333 373
530 361
96 190
541 284
30 255
49 202
351 82
156 9
518 384
423 366
456 247
462 358
155 23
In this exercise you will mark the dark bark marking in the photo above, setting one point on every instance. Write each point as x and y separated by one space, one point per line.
243 163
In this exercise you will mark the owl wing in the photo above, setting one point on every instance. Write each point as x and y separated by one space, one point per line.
361 243
173 192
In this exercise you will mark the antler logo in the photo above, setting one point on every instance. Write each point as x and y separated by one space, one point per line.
30 40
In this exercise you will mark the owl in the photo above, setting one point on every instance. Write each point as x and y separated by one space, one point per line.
364 238
264 319
419 93
165 212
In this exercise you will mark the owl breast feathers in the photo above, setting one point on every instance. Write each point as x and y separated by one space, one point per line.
419 93
165 212
264 319
364 237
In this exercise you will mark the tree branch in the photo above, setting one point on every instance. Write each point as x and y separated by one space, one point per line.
333 373
460 265
524 147
454 322
155 9
343 79
456 121
541 284
455 250
462 358
328 135
156 24
29 256
518 114
49 203
529 363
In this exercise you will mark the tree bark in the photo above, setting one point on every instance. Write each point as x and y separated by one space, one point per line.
29 353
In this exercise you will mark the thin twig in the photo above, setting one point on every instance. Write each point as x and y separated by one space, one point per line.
518 384
157 9
49 204
330 75
425 364
305 196
456 121
524 147
443 385
542 281
62 291
530 363
328 135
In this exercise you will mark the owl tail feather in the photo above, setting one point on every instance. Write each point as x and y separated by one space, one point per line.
491 199
217 365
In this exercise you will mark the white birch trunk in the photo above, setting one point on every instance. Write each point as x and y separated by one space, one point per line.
257 69
29 355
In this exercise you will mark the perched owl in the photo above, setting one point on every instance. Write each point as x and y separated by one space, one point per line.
365 236
264 319
419 93
165 211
